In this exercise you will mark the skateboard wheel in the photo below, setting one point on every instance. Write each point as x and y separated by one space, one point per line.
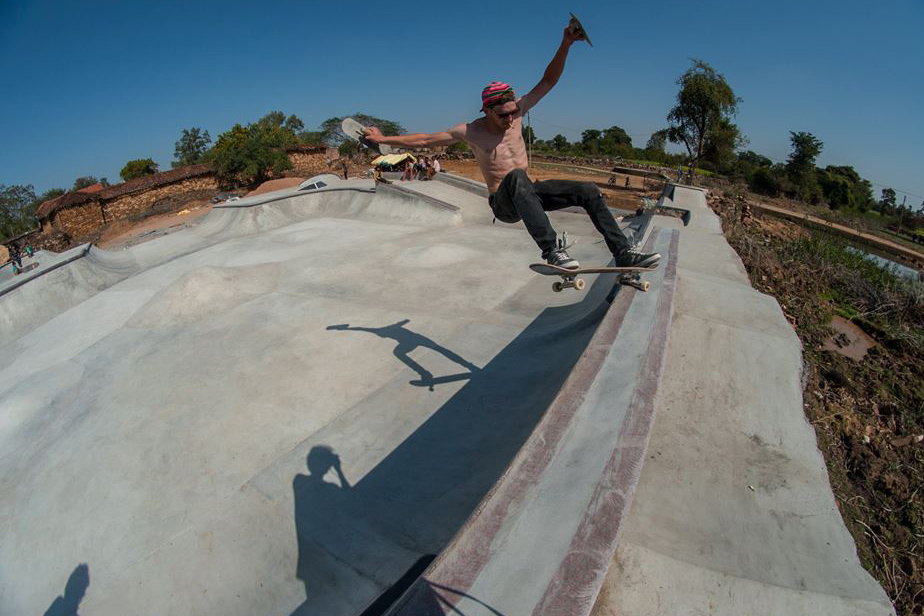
579 284
646 286
557 287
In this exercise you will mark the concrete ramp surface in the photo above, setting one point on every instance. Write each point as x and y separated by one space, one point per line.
360 400
280 410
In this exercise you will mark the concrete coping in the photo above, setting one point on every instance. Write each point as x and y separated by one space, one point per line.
543 537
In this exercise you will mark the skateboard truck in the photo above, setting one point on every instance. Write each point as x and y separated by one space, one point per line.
635 281
573 282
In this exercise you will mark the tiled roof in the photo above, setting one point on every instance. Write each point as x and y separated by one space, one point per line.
66 200
145 182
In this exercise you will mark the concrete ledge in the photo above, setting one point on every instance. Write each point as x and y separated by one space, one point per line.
477 188
542 539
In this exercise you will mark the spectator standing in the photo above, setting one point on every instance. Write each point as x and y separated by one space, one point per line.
15 257
408 170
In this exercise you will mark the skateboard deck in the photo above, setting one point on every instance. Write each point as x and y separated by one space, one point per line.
629 276
354 130
576 27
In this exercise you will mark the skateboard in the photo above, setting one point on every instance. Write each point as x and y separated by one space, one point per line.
629 276
354 130
575 26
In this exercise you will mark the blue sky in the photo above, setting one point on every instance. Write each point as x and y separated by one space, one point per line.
90 85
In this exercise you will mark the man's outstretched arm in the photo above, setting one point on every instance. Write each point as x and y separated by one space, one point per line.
552 72
418 140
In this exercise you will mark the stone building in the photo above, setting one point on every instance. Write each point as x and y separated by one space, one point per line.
309 160
79 214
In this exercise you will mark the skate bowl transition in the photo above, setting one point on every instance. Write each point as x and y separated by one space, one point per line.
359 400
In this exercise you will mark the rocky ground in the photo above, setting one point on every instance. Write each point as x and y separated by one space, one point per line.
867 408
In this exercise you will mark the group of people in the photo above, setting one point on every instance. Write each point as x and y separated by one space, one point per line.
424 169
16 255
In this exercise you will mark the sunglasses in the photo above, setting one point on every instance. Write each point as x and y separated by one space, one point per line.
507 114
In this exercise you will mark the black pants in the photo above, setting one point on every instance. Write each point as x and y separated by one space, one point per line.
517 198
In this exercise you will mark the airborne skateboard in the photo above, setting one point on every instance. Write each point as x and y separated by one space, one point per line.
575 26
630 276
354 130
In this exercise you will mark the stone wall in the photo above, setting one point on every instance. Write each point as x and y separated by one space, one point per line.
79 221
136 203
307 164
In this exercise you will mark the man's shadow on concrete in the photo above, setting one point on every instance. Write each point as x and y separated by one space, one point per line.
362 544
336 539
74 591
410 340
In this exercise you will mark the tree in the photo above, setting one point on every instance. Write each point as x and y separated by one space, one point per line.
614 141
333 135
805 149
137 168
590 140
17 210
348 148
704 100
192 147
723 139
617 135
842 187
559 142
277 119
657 141
528 135
800 166
754 159
459 147
250 155
83 182
767 180
887 202
309 137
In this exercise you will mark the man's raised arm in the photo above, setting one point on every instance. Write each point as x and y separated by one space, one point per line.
417 140
552 72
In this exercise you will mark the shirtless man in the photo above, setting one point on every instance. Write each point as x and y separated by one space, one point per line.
497 142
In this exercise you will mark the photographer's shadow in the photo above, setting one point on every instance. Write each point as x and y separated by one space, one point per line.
335 537
410 340
74 591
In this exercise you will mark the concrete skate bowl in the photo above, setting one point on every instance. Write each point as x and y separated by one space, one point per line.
289 408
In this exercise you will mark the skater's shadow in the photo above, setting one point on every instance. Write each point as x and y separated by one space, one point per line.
410 340
364 541
74 591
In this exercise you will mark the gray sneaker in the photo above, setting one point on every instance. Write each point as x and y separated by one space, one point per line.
560 258
635 258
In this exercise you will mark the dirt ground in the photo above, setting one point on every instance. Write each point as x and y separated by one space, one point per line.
272 185
127 232
616 196
867 410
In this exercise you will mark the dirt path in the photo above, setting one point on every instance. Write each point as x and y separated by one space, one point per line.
126 232
914 257
617 196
